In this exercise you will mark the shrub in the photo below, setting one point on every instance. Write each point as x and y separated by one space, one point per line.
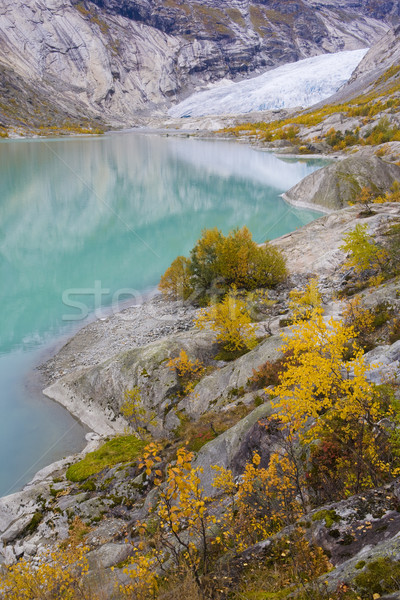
380 576
268 374
218 262
360 318
59 573
138 416
363 252
231 322
392 247
175 283
204 258
395 331
189 371
366 198
321 403
302 303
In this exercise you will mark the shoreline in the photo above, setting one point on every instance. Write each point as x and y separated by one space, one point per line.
104 338
98 430
308 205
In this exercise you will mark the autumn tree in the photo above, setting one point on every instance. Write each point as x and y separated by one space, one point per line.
183 520
189 371
260 503
176 281
323 394
365 199
302 303
58 573
217 262
231 322
139 417
363 252
358 316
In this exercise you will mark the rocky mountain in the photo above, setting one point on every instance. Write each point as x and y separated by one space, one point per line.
373 74
67 63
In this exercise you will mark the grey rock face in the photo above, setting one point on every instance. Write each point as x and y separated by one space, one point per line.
223 450
115 60
338 184
383 54
95 395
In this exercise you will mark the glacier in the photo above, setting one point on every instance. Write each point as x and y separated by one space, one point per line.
302 83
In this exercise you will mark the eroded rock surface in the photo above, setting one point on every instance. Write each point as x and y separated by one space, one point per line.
114 62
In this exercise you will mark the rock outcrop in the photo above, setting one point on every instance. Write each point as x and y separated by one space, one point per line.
353 532
373 72
338 184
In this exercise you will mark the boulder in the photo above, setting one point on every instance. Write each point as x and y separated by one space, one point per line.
224 448
338 184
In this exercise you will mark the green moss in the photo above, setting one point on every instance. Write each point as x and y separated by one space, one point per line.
88 486
360 565
381 576
229 355
118 450
258 401
329 516
34 522
382 314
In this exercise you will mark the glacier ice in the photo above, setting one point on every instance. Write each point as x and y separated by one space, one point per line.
302 83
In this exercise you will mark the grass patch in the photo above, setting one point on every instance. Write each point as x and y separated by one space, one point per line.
118 450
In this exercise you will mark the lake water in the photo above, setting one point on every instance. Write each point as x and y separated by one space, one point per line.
109 212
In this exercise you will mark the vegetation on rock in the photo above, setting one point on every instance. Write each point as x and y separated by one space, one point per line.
115 451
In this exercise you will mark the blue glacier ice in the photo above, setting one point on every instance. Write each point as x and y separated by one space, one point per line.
302 83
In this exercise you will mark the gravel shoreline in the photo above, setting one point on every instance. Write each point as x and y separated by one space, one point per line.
124 330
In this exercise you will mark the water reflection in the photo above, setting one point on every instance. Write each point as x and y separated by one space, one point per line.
118 209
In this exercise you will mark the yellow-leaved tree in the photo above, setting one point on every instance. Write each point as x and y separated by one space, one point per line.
324 394
231 322
362 251
302 303
139 417
176 281
189 371
58 573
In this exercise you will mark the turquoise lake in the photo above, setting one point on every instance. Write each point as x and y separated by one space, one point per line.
116 210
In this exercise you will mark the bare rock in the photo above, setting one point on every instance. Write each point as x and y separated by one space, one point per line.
338 184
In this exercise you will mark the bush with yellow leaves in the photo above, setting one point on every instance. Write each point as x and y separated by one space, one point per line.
231 322
302 303
138 416
189 371
217 262
59 574
322 395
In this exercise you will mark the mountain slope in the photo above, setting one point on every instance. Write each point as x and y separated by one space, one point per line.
116 60
375 71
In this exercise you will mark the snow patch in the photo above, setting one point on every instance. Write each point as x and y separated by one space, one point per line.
302 83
